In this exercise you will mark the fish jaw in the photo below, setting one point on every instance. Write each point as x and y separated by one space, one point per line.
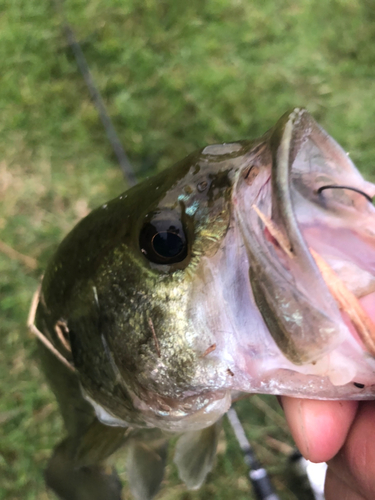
292 333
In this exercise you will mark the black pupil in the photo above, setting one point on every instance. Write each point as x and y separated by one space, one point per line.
167 244
163 241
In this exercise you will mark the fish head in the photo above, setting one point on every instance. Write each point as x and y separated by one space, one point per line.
214 278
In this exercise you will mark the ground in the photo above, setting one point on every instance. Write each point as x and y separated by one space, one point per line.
175 76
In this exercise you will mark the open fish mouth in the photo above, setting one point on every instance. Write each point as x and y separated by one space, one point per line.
308 224
284 304
246 267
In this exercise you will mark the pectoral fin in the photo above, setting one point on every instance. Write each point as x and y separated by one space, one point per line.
195 453
70 482
99 442
145 467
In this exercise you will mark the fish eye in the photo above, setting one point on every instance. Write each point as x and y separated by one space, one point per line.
163 242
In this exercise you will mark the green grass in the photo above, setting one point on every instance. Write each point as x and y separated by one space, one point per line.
175 76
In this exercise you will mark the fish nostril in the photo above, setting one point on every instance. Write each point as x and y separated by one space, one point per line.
202 186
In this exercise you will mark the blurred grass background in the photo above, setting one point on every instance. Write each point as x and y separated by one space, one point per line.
175 76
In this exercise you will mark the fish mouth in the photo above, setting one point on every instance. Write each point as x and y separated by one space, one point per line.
192 414
309 232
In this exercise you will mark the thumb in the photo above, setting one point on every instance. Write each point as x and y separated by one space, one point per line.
319 428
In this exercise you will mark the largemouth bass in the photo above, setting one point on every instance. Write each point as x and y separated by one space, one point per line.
246 267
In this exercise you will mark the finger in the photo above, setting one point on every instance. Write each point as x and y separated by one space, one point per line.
319 428
355 464
336 488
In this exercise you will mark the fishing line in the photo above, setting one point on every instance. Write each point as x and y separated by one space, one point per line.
125 165
356 190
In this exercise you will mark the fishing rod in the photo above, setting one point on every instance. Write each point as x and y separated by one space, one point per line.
122 158
258 475
309 472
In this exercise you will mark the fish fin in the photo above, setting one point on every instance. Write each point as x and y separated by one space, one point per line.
70 482
99 442
195 453
145 467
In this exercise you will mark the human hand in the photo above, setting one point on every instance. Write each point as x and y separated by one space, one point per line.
341 433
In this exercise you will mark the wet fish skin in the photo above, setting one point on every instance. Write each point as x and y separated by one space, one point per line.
105 297
162 342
